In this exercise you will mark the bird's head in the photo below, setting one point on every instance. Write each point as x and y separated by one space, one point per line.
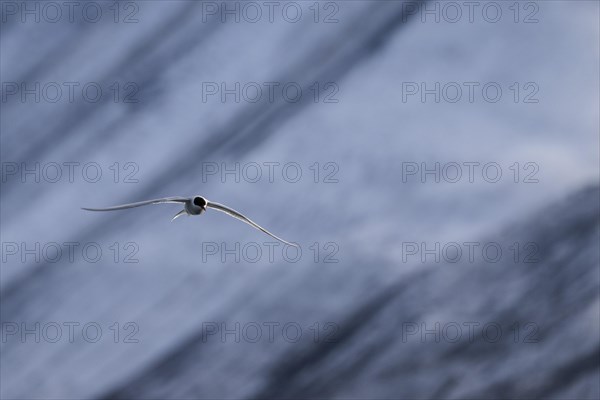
196 205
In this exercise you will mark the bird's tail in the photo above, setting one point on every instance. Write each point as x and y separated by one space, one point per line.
179 214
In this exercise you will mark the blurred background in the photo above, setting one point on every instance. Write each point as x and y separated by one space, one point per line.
436 162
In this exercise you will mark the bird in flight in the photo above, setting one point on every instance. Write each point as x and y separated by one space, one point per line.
194 206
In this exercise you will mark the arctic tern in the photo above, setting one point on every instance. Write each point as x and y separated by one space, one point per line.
193 206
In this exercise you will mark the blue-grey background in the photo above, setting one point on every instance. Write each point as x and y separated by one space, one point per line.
374 294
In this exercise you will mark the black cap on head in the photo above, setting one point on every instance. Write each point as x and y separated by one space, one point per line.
199 201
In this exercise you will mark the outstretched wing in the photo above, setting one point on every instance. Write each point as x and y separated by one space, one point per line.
140 203
247 220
